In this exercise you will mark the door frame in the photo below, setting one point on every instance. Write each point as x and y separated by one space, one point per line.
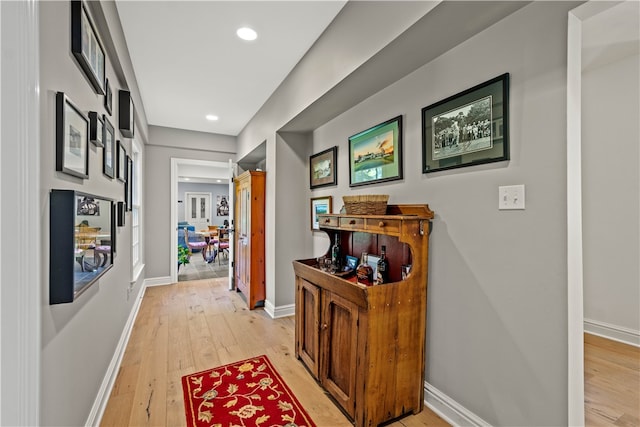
173 207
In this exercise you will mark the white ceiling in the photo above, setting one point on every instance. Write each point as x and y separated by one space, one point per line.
189 62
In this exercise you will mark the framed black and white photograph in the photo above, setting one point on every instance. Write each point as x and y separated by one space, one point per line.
322 168
319 206
121 162
108 152
72 138
86 46
469 128
96 129
375 154
108 97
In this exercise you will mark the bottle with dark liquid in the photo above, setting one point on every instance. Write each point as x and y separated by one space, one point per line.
382 273
364 271
336 255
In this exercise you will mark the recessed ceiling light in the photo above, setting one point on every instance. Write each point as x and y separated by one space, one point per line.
246 33
219 180
187 179
212 118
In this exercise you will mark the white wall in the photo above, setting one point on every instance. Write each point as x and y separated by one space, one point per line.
611 181
78 339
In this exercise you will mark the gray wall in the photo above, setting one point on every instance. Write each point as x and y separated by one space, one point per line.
195 187
611 182
497 310
157 194
78 339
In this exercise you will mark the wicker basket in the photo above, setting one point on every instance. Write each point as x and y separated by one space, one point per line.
368 204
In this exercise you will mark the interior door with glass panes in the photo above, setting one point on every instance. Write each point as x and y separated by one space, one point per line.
198 210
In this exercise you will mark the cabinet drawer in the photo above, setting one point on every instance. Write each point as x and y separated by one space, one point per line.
352 223
381 225
327 221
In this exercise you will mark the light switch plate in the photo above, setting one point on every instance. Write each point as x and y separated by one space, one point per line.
511 197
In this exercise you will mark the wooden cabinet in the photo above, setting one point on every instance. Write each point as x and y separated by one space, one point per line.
365 344
249 234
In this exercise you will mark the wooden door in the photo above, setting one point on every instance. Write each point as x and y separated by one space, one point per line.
339 341
308 325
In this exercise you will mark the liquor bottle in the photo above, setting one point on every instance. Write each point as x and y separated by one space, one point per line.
364 270
382 273
336 256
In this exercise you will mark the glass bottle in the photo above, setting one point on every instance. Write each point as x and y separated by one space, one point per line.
382 272
364 270
336 256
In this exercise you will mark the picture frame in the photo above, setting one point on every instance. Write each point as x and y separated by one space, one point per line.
322 168
351 262
87 47
108 97
126 114
72 138
109 149
468 128
320 205
129 184
372 260
96 129
82 239
375 154
121 162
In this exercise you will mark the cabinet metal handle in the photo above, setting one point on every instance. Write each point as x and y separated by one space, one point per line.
353 221
327 220
324 326
381 224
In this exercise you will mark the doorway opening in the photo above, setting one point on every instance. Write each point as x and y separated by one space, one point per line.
200 200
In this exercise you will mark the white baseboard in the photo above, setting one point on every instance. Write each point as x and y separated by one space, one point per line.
282 311
450 410
100 404
157 281
612 332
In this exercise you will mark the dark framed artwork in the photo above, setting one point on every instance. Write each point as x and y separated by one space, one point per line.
469 128
121 162
81 233
108 152
72 138
86 46
319 206
108 97
322 168
96 129
129 184
375 154
121 209
126 114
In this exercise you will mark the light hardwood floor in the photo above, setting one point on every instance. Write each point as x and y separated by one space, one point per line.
196 325
612 383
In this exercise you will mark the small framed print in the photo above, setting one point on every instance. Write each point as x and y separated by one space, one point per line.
122 162
319 206
375 154
108 97
469 128
129 184
322 168
72 138
96 129
108 152
86 46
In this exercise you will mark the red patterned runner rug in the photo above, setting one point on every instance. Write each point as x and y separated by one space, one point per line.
245 393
